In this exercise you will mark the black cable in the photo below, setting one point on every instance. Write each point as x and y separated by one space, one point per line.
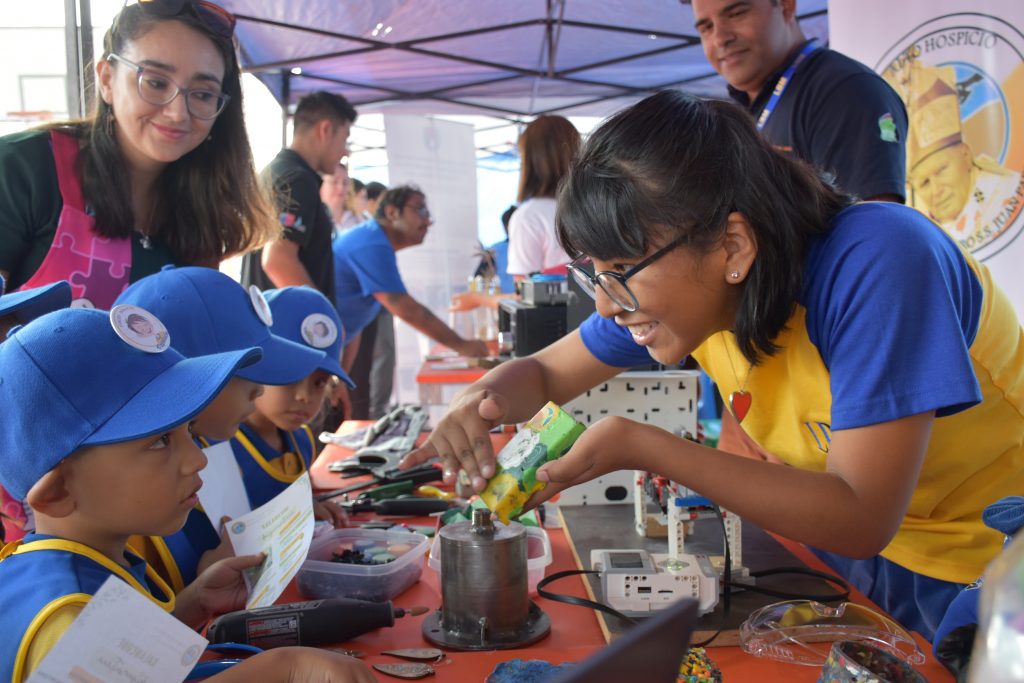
786 595
572 599
726 580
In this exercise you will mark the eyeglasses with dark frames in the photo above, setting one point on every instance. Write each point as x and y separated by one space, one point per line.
156 88
614 284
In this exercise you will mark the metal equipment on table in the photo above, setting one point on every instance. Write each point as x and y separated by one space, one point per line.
485 603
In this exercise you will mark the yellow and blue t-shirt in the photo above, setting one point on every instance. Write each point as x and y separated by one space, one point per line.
45 582
893 320
267 472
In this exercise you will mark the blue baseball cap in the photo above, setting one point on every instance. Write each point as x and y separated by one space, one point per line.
207 312
305 316
72 379
32 303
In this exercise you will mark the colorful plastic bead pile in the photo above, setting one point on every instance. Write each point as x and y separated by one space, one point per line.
367 552
698 668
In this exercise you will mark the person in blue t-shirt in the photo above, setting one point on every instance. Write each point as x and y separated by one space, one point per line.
850 340
366 277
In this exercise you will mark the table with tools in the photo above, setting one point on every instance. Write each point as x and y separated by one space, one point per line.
377 497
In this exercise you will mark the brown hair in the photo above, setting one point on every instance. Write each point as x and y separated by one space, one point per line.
208 204
674 165
546 149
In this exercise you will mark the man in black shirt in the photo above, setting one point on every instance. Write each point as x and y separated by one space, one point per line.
302 254
832 111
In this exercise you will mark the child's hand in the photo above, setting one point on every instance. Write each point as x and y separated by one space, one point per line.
297 665
604 447
330 512
223 550
217 590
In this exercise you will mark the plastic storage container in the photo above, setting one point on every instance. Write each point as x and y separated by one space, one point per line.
320 578
538 556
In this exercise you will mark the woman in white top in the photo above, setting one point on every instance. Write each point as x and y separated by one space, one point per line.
546 148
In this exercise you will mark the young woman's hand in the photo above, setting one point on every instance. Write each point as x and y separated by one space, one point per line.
462 439
604 447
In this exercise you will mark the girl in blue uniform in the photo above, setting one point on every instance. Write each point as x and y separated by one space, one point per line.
274 445
855 342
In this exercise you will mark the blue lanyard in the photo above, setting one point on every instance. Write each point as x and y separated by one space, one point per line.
783 83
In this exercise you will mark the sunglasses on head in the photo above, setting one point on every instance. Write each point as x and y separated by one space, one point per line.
214 17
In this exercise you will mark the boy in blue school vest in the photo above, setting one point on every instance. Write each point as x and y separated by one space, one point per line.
207 312
106 418
275 445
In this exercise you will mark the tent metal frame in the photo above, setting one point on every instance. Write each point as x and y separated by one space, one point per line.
449 95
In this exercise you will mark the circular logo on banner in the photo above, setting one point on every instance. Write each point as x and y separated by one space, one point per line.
260 305
961 77
82 303
139 328
319 330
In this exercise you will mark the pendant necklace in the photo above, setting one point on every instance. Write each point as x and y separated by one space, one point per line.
739 400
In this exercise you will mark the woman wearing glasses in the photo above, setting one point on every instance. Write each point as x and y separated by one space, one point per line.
857 344
160 173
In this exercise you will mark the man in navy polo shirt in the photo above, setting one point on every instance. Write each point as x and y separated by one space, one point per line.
366 278
832 111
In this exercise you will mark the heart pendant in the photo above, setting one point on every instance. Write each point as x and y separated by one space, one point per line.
739 403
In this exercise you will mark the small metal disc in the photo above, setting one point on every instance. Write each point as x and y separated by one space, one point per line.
417 654
408 670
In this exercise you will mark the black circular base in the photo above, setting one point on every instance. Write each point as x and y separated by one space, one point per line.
536 627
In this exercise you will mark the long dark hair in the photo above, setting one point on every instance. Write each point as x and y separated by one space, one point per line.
208 204
674 165
546 149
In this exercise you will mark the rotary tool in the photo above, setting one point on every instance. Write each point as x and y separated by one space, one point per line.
311 623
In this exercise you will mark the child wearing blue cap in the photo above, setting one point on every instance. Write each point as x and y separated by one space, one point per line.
18 308
275 445
106 416
206 312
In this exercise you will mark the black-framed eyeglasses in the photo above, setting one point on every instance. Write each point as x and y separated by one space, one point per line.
156 88
614 284
214 17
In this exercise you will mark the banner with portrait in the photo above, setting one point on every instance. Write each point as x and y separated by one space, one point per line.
958 65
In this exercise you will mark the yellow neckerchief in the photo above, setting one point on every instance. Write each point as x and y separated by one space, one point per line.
283 475
18 548
100 559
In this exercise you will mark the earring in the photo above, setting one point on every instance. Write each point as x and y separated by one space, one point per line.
108 121
735 274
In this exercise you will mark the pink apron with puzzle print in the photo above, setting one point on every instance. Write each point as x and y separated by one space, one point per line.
97 268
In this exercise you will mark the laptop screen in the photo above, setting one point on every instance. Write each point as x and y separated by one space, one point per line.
653 649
